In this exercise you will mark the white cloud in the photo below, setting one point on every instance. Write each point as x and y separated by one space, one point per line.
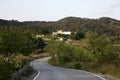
112 8
115 6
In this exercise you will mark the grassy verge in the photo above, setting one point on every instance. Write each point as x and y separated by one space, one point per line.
103 69
110 69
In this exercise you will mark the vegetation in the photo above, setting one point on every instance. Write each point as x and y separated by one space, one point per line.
77 36
7 67
94 53
40 44
13 43
61 54
97 47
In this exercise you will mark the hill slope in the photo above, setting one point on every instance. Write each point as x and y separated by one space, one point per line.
102 25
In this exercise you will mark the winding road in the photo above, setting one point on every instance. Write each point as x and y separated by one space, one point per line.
49 72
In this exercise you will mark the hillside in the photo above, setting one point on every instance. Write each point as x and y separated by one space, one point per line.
103 25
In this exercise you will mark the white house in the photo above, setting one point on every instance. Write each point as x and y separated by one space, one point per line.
39 36
62 32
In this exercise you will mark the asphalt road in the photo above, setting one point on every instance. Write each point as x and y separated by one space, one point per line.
49 72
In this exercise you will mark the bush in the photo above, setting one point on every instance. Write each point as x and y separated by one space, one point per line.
61 53
77 65
74 65
7 67
77 36
13 42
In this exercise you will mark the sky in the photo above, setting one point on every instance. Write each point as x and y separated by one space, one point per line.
53 10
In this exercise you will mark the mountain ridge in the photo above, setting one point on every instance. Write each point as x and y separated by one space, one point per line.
103 25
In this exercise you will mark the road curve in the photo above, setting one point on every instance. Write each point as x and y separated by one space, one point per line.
49 72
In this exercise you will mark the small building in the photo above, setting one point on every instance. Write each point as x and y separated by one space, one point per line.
61 32
67 33
60 39
54 33
39 36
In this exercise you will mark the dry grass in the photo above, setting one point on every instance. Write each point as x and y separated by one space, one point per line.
21 57
103 69
33 56
36 56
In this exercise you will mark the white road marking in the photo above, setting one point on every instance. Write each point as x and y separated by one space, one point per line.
37 75
72 69
96 75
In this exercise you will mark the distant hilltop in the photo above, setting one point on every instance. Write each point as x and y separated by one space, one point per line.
103 25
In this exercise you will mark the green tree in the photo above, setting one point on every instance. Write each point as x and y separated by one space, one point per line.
99 49
16 42
65 53
61 53
77 36
40 44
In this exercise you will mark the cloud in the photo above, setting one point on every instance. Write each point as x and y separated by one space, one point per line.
115 6
112 8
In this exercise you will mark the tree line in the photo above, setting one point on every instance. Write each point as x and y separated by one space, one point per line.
104 25
14 42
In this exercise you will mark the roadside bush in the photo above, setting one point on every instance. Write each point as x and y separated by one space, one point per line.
74 65
61 53
99 49
65 54
7 67
77 65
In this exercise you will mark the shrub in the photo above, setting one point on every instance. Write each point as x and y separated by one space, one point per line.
60 52
7 67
